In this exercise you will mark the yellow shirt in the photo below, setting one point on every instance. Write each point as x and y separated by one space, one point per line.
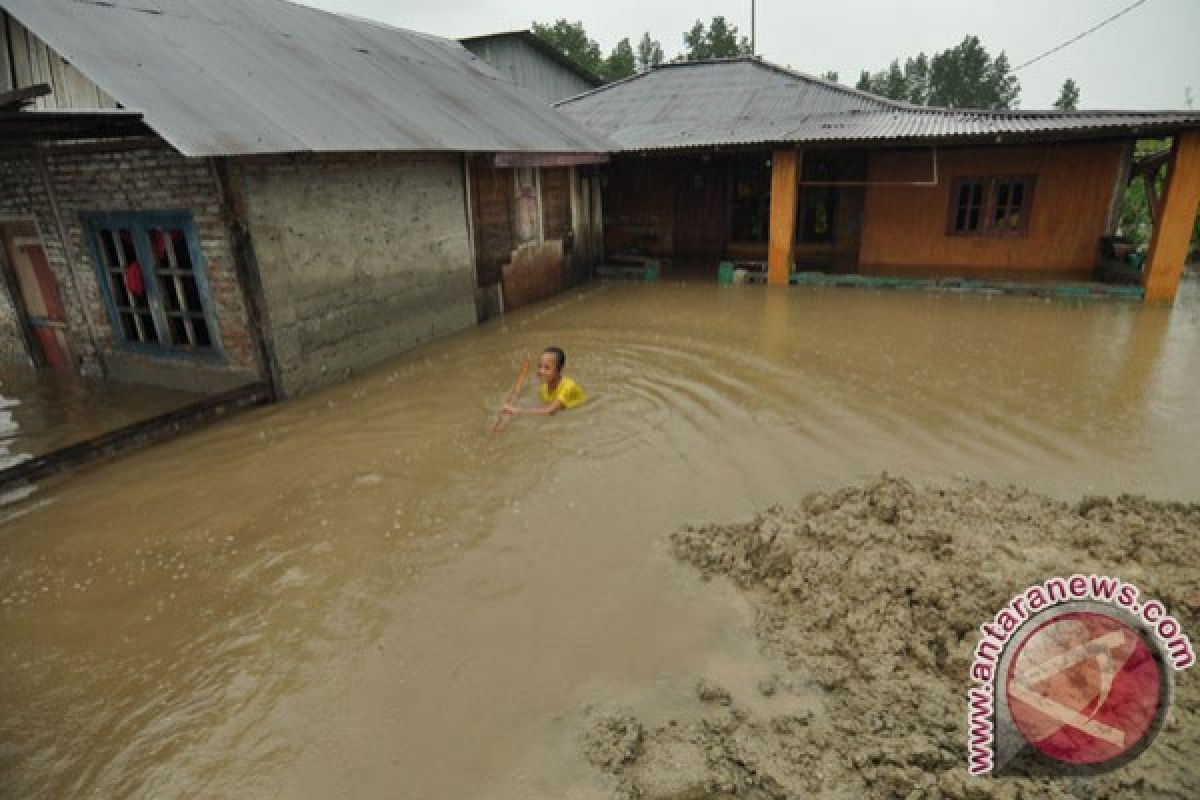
568 392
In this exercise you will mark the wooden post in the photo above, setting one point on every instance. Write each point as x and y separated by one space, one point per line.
1173 225
785 177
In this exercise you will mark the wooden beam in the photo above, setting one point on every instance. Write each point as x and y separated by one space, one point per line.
18 98
785 178
1173 226
548 159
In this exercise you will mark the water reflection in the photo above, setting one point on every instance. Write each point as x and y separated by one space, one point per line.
43 410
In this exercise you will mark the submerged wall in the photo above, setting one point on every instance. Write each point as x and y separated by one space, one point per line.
905 227
361 257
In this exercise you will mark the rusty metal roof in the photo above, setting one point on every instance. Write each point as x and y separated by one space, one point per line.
748 101
231 77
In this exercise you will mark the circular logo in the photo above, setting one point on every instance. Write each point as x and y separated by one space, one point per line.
1084 688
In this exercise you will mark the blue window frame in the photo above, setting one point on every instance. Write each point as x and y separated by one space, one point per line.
152 275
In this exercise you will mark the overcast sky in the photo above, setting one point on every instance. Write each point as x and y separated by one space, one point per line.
1146 59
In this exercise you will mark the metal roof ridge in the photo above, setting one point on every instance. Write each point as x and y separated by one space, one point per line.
757 61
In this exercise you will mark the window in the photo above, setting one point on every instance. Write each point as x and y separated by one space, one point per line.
153 281
990 206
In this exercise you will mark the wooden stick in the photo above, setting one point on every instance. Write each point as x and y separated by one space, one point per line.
519 384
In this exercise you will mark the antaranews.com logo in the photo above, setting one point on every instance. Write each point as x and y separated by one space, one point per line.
1073 676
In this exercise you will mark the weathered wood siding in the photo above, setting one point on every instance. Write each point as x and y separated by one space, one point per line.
514 247
530 69
905 227
639 207
556 202
30 61
491 198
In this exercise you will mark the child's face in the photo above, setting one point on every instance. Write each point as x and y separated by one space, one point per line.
547 367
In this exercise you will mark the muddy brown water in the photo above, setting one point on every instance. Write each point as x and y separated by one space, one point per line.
42 411
363 593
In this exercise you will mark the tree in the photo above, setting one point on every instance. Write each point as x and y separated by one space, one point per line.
1068 98
831 76
570 39
910 84
649 53
719 40
967 77
961 77
620 63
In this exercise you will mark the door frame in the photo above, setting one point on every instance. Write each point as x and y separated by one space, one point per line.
8 273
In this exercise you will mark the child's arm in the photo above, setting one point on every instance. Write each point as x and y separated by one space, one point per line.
547 410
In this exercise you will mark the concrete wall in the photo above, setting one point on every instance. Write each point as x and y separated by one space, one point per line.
361 257
529 68
131 176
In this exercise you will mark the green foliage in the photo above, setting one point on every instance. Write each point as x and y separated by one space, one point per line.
570 39
831 76
1068 98
649 53
620 63
719 40
1134 214
965 76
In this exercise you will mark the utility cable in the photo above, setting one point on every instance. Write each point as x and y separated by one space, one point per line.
1075 39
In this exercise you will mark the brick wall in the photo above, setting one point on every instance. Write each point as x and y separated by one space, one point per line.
141 177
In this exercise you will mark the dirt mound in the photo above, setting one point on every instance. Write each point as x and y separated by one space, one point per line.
870 598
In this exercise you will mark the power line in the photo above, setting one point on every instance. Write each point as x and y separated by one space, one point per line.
1075 39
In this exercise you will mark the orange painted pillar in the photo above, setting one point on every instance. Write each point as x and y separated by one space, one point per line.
1173 231
781 249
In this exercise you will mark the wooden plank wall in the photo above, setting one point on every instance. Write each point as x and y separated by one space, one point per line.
639 207
35 63
556 202
7 83
904 227
491 200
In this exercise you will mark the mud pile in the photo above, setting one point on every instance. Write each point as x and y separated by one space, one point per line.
870 598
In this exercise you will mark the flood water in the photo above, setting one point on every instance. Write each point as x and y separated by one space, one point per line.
364 593
43 411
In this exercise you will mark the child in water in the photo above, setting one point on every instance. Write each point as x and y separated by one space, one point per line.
557 391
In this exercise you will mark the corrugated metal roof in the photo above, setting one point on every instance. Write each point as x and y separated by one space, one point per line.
747 101
223 77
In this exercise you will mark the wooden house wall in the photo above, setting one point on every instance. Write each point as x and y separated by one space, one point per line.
556 202
905 227
529 68
30 61
639 207
491 200
523 239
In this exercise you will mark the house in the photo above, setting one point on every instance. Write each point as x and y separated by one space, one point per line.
531 63
741 160
206 193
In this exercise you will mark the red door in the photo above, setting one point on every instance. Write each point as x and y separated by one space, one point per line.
42 302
